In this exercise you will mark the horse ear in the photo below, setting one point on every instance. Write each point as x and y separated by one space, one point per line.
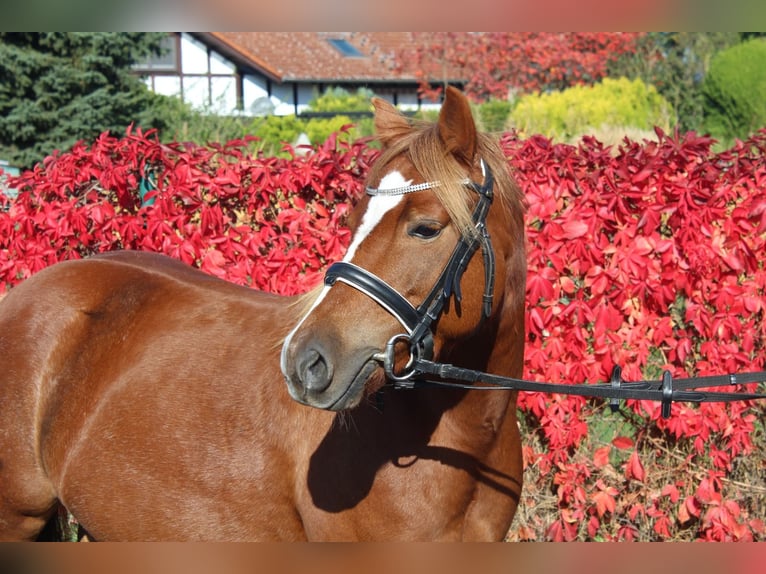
456 126
390 125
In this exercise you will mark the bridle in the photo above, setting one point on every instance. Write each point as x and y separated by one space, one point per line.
418 321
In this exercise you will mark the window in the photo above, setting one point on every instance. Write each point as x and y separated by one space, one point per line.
166 61
194 56
166 85
197 73
344 47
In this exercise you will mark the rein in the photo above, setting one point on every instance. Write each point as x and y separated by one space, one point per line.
417 323
667 390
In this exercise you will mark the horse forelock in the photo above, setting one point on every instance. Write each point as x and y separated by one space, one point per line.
424 149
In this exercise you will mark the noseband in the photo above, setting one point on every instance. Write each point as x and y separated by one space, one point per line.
417 321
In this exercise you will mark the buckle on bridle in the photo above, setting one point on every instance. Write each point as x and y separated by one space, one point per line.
405 378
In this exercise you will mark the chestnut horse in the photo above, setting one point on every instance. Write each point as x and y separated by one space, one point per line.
148 399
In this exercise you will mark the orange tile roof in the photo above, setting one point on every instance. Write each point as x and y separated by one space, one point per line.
308 56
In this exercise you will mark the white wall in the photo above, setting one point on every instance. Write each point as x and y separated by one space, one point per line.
282 98
407 100
254 92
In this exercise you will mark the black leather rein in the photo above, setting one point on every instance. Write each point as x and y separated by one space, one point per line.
417 322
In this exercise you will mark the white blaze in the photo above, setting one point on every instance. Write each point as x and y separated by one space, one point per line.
377 208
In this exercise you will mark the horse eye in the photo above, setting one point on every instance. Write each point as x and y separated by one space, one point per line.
425 231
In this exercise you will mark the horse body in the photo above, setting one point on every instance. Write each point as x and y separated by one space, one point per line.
130 386
149 400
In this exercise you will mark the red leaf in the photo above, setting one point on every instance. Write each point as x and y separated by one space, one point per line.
607 319
623 442
574 229
540 284
635 510
604 502
757 525
683 512
671 491
593 525
555 532
601 456
707 493
634 469
662 527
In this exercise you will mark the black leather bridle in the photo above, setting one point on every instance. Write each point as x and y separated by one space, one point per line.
418 321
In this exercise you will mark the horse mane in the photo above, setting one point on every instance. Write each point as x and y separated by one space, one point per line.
424 148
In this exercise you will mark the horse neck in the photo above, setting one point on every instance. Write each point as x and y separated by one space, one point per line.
497 346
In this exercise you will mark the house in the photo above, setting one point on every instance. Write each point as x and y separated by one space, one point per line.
261 73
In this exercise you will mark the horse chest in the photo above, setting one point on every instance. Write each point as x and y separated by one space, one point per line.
354 487
413 497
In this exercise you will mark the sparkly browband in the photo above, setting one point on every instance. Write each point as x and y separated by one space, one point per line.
405 188
413 188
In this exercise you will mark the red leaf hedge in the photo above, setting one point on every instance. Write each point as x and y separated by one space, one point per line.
652 259
649 256
268 222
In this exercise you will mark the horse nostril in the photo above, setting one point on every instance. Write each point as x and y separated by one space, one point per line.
315 371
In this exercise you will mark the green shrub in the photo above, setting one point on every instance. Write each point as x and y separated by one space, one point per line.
275 131
319 129
583 109
176 120
675 63
493 114
340 100
735 91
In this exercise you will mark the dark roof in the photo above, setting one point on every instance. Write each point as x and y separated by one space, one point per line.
311 57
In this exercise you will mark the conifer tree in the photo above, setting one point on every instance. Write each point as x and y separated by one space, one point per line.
60 87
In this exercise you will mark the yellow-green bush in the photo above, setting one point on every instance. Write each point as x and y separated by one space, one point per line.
587 109
275 131
340 100
319 129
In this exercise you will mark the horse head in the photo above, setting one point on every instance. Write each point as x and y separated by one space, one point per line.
430 189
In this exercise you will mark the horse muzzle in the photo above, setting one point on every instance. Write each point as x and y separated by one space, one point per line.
318 378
